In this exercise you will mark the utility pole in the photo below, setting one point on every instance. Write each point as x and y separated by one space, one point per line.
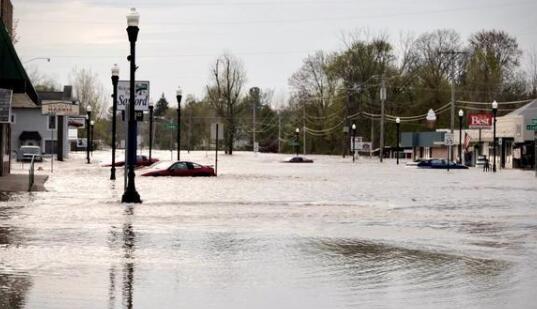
382 100
453 54
304 127
279 133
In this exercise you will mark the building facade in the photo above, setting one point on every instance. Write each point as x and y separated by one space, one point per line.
45 126
12 77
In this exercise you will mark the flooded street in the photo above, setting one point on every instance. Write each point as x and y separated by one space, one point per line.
265 234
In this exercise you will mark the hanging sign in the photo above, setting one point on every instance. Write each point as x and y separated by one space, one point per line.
141 98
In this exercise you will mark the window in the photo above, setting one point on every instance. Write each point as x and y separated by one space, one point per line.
180 166
195 165
13 118
52 122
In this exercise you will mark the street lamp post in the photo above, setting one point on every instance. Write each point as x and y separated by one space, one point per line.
297 132
494 111
179 97
353 142
131 195
461 114
88 141
151 107
92 124
398 125
115 79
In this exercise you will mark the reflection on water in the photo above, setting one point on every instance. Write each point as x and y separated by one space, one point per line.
14 285
126 241
271 235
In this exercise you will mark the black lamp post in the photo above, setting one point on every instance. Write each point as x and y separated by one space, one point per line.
92 124
397 125
353 141
130 195
150 129
88 140
461 114
297 132
494 111
115 79
179 97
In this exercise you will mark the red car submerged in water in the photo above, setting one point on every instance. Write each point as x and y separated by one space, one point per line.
180 168
140 161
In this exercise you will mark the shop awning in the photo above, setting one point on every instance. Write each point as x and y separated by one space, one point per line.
12 73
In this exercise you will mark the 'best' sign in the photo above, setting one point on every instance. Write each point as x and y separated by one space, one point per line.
480 121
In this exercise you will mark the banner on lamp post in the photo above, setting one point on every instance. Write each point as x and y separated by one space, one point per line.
141 98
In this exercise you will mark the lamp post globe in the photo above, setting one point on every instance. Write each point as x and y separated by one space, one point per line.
131 195
461 114
398 125
494 112
179 95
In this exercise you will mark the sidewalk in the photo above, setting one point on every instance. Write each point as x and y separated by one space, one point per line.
20 183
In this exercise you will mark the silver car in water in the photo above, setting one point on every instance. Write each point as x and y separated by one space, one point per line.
26 153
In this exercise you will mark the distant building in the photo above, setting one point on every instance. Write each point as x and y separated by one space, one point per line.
45 126
515 137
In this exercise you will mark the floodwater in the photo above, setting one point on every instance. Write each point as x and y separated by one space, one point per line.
265 234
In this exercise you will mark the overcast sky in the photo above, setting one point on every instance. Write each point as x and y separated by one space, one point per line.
179 39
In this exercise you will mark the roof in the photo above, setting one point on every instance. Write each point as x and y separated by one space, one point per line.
12 73
530 107
21 100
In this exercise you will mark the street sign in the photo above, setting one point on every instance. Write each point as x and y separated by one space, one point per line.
448 139
139 115
5 105
357 141
141 99
171 125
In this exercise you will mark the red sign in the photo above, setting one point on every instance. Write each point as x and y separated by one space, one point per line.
480 121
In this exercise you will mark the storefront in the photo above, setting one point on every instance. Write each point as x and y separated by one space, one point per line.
13 78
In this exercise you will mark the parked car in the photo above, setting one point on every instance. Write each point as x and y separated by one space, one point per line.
26 153
180 168
140 161
297 160
440 164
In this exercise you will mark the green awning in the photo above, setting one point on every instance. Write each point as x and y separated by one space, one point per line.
12 73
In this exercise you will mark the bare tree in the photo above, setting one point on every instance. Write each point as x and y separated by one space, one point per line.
532 72
89 91
224 90
42 82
